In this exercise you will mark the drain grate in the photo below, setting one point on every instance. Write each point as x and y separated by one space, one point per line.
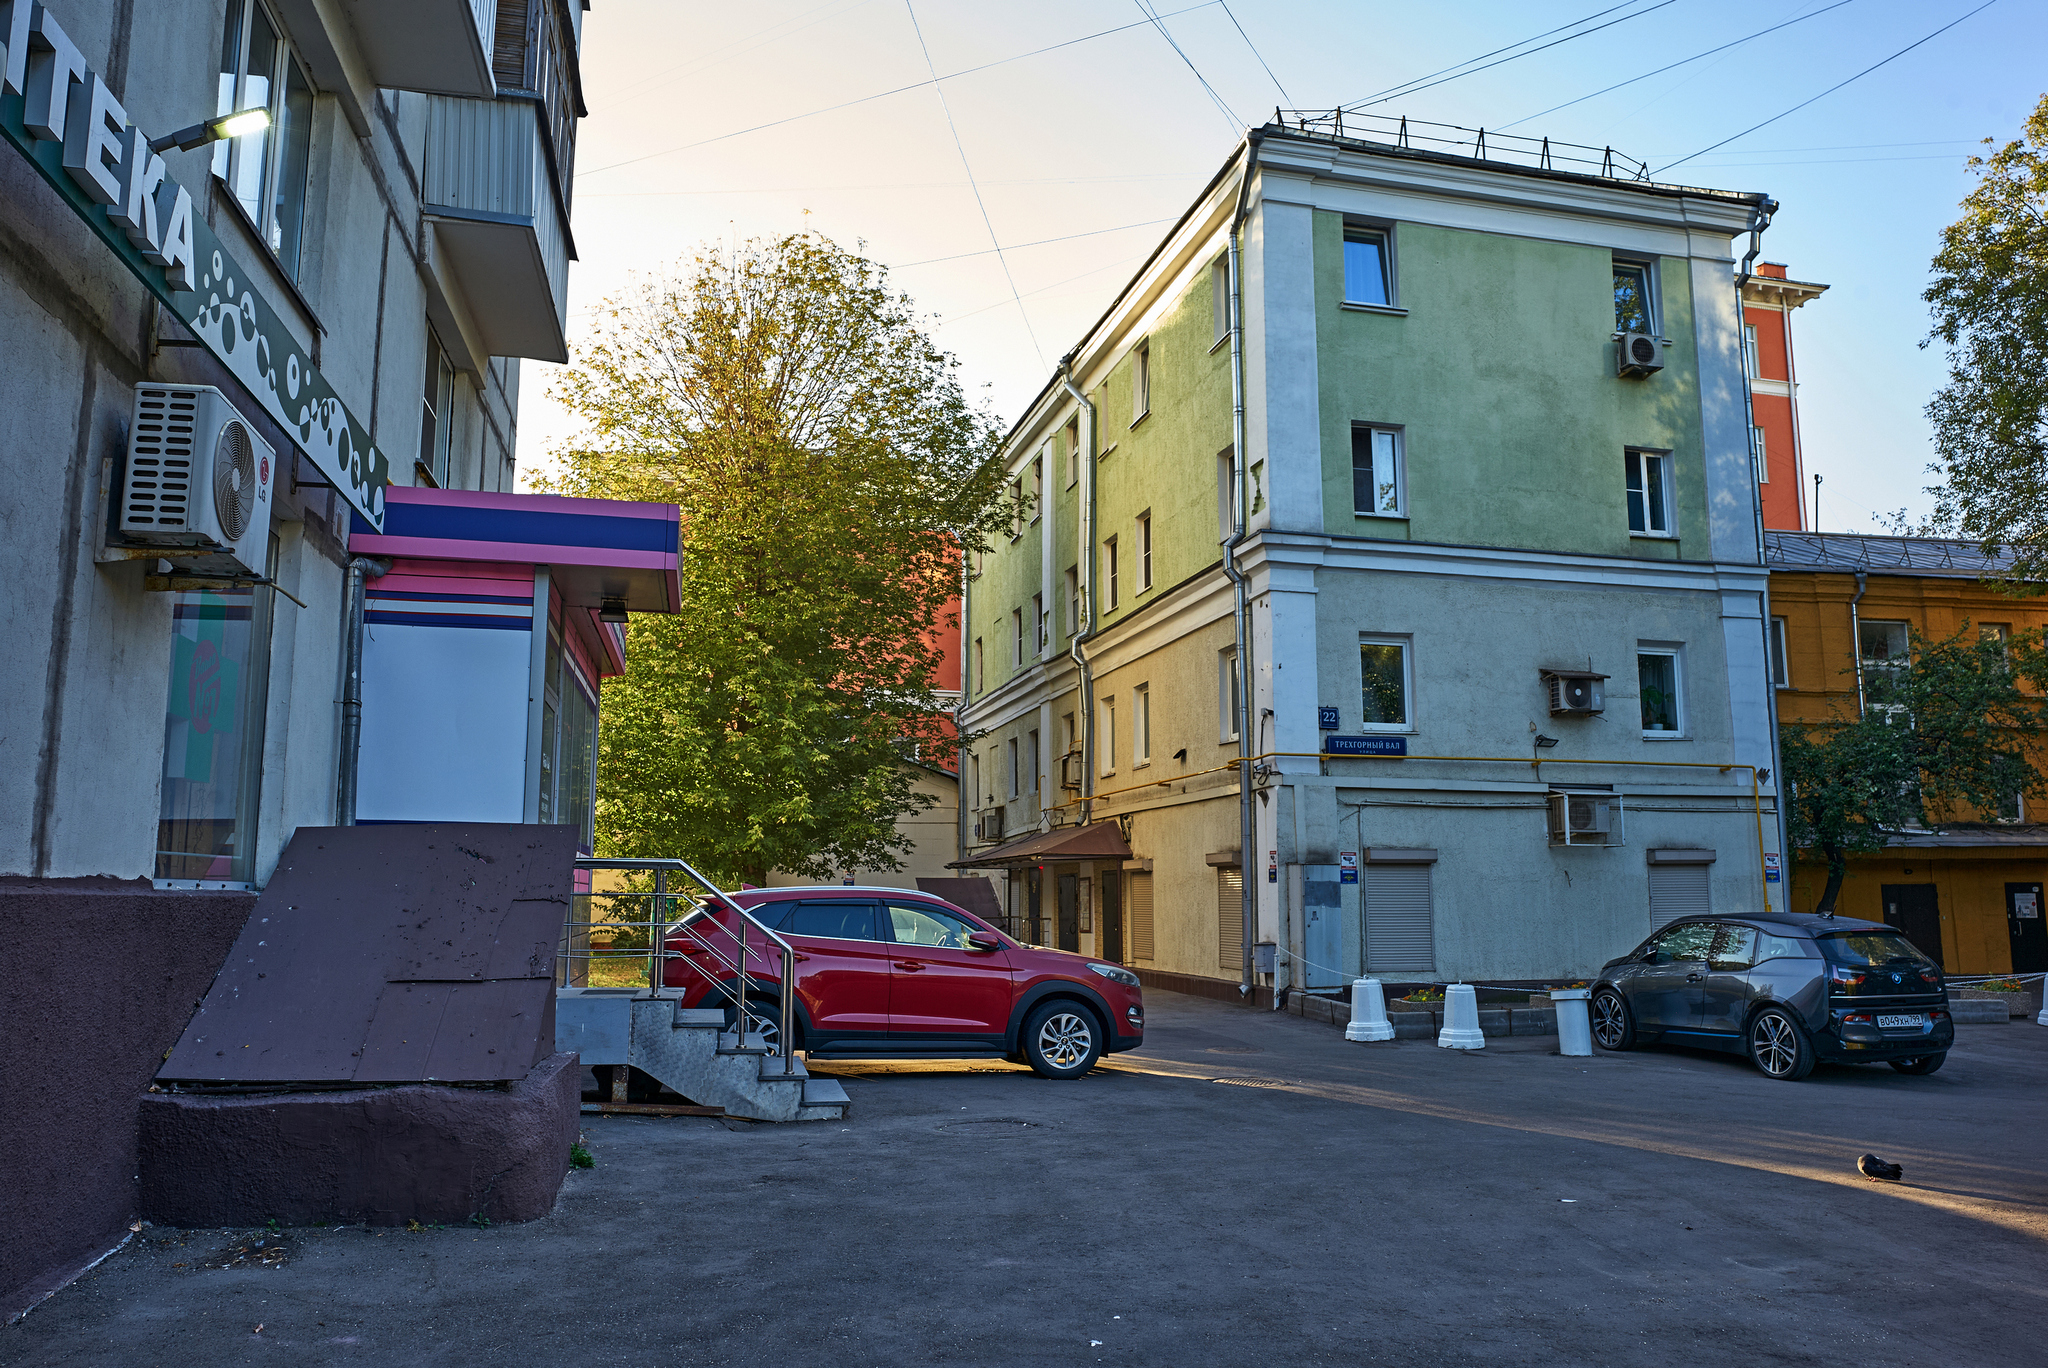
1251 1082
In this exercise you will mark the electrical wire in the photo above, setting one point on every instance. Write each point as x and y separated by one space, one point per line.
1829 91
1255 52
1229 114
1675 65
883 95
614 98
1094 270
968 167
1019 246
1394 90
1413 88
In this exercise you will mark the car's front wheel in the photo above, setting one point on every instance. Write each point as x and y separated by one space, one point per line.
1925 1064
1779 1046
1062 1040
1613 1028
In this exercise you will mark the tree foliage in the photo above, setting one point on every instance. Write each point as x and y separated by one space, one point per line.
1941 738
1990 299
830 471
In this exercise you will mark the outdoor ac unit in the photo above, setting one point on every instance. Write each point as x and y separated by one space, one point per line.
1071 770
1578 814
1576 694
197 481
1638 354
988 827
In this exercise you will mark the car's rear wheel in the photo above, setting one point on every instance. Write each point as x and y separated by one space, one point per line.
1925 1064
1779 1046
1613 1028
1062 1040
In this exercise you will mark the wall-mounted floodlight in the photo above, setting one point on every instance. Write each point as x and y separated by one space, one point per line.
614 610
213 130
1545 742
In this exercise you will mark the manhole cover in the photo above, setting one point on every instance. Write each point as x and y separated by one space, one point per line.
1236 1049
1250 1082
989 1125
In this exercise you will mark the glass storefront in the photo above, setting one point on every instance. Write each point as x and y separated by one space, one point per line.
568 745
213 736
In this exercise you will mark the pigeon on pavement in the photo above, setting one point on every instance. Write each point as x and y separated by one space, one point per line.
1874 1168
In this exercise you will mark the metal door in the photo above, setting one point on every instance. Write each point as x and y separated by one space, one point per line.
1070 912
1914 909
1109 939
2029 930
1322 927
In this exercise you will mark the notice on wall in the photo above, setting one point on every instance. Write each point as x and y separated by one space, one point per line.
1347 866
2026 905
1773 869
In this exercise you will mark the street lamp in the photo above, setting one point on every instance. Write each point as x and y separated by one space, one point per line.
213 130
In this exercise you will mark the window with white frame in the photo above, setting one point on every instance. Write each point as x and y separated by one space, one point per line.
1145 549
1017 509
1016 637
1780 673
1387 685
1228 698
1366 277
1141 382
266 170
1031 758
437 415
1648 477
1037 486
1759 456
1219 300
1750 364
1106 738
1376 484
1110 568
1660 678
1885 650
1634 308
1141 725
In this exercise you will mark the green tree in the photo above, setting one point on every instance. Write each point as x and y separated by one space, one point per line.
1941 738
830 471
1990 299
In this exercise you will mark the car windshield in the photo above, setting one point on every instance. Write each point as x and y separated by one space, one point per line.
1870 947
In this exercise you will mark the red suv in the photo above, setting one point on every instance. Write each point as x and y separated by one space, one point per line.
884 972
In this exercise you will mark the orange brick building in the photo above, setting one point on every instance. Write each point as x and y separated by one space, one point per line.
1768 300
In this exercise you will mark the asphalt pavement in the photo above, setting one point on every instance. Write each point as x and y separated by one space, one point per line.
1248 1187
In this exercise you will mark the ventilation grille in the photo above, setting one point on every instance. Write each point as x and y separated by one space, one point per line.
234 480
160 461
1642 350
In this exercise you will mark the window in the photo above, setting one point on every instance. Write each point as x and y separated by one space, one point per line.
265 171
1016 775
1070 736
1145 549
1657 675
1228 698
568 742
1758 456
1108 738
1219 299
1632 311
1886 649
980 675
1032 759
1998 633
1016 504
437 417
1037 486
1648 475
1141 382
213 735
1073 452
1687 944
1226 495
974 784
1365 267
1038 621
1734 950
1073 600
826 920
1779 677
1750 367
1376 472
1383 670
1110 568
1016 638
923 924
1141 726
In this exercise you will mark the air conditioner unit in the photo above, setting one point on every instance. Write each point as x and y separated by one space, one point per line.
1577 815
988 827
197 481
1638 354
1072 770
1576 692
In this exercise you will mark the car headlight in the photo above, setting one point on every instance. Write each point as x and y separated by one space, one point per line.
1116 975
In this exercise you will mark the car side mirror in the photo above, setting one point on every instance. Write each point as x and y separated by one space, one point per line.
983 940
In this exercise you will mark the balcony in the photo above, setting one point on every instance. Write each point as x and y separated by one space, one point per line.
441 47
499 224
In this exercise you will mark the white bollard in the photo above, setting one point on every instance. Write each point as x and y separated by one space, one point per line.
1574 1020
1461 1019
1368 1012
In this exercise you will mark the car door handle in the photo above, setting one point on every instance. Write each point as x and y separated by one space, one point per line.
909 966
799 958
1692 978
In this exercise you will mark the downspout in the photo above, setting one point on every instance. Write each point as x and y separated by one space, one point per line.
1247 841
1856 637
1759 220
962 798
348 768
1084 571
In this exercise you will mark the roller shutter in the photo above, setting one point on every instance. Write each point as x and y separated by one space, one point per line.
1230 917
1138 916
1400 930
1679 890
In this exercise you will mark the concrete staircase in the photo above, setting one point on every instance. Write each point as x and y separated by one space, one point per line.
690 1050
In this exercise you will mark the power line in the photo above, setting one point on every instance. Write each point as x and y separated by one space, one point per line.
870 185
701 58
1229 114
1018 246
1416 90
1095 270
1675 65
1829 91
1381 96
965 165
1255 52
883 95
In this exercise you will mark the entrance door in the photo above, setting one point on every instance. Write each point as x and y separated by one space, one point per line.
1914 910
1070 912
1109 939
1322 926
2029 930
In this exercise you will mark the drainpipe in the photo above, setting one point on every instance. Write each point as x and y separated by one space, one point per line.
1760 219
359 569
960 807
1856 636
1247 848
1084 571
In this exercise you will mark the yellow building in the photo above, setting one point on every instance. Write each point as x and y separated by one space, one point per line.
1842 606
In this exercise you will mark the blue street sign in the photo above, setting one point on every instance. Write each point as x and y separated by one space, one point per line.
1365 745
1326 718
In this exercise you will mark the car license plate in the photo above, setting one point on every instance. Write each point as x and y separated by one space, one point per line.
1901 1021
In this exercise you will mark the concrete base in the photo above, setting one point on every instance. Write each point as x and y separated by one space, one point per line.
378 1156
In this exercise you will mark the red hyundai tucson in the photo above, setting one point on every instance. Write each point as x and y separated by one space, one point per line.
883 972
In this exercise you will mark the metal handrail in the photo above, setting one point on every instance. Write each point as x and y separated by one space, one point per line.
659 929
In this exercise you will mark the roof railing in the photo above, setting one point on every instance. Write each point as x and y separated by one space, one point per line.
1415 135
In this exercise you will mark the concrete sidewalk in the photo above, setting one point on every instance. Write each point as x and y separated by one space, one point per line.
1248 1185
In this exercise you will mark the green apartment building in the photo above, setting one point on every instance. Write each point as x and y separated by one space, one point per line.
1408 618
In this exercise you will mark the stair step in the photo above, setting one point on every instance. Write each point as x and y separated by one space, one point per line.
713 1017
825 1092
750 1043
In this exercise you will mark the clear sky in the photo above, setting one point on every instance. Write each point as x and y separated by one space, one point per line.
1111 136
